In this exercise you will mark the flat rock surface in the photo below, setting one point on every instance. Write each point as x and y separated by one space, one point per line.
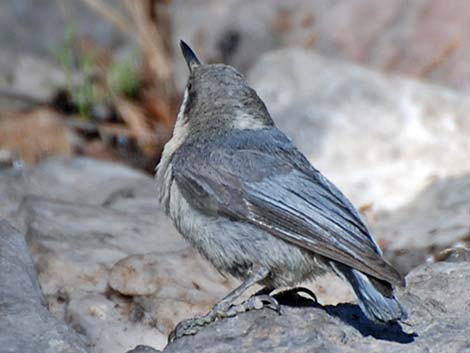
26 325
436 300
79 180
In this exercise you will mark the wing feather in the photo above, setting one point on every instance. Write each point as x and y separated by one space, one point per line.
269 183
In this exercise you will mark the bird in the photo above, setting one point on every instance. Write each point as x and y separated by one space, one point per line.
241 193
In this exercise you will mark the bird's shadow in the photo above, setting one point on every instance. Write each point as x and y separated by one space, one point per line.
352 315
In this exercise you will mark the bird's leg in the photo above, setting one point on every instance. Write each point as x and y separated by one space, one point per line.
226 308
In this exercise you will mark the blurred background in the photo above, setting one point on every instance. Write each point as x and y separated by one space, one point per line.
375 93
103 78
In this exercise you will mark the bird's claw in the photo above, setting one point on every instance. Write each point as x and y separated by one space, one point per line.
221 310
257 302
189 327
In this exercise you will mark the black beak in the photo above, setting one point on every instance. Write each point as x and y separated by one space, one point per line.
189 56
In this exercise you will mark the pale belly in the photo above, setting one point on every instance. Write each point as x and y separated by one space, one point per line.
234 247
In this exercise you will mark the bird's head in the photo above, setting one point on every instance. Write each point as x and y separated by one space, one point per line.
217 97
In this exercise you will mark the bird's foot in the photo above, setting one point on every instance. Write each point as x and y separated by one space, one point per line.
223 310
256 302
190 326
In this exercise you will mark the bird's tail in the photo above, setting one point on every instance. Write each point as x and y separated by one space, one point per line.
375 296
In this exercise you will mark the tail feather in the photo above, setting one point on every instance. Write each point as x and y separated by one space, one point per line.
375 297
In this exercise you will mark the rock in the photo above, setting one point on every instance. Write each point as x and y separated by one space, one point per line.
435 299
418 198
34 25
27 80
420 38
438 218
7 159
99 242
105 322
169 287
379 138
82 216
74 245
78 180
74 248
26 324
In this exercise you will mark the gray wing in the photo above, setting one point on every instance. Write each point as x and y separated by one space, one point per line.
260 177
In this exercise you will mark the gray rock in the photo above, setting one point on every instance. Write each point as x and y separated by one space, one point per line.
81 216
27 80
26 324
241 26
74 245
79 180
40 26
106 322
86 221
168 287
437 219
378 137
446 202
436 300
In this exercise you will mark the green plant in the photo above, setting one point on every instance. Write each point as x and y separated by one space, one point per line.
79 71
124 78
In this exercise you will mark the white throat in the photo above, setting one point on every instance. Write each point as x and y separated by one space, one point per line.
180 132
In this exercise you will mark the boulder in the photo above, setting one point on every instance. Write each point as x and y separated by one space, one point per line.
380 138
26 325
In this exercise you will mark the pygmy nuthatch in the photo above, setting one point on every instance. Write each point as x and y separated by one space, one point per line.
242 194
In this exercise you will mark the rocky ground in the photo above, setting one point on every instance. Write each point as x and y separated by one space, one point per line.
113 268
435 298
108 273
92 264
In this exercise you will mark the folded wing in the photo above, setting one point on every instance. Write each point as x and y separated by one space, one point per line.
260 177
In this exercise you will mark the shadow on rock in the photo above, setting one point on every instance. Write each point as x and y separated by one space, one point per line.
351 315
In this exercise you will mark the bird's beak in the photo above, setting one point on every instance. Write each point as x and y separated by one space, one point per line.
189 56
